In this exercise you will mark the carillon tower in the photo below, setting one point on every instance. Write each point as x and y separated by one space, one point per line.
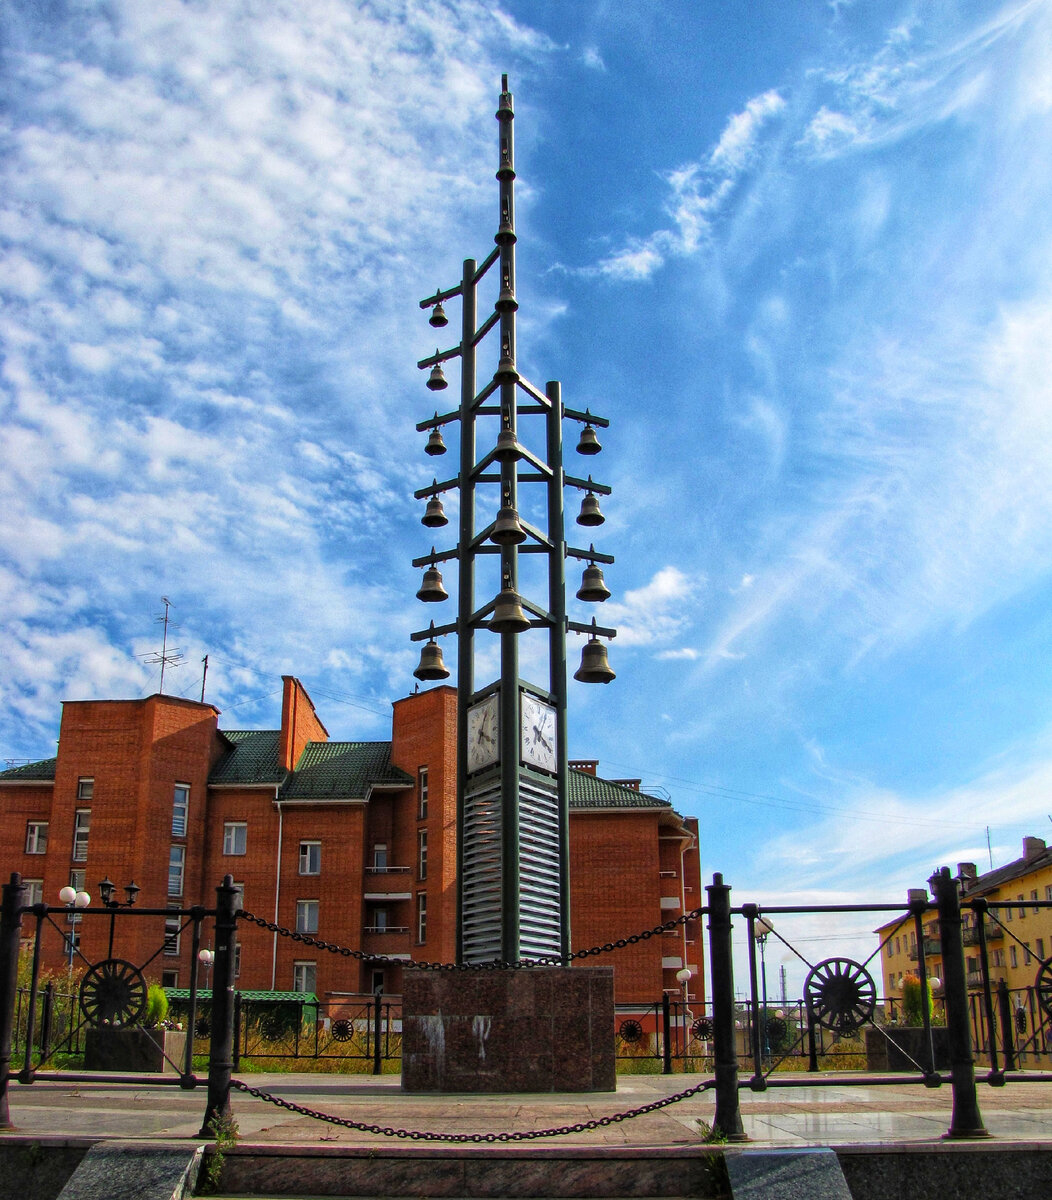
510 554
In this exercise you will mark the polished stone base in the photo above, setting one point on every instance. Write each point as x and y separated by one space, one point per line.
546 1029
812 1174
132 1049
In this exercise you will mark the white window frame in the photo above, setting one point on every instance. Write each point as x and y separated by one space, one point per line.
172 931
310 858
86 788
421 854
380 857
307 912
423 793
231 830
421 918
180 809
81 831
76 882
36 842
34 890
176 870
305 972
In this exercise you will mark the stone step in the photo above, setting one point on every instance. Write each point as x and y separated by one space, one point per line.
134 1171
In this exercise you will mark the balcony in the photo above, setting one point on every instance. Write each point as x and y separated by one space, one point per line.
994 933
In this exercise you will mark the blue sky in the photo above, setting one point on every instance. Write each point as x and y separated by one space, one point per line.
798 253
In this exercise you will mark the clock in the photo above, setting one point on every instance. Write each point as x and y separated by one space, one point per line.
483 735
538 734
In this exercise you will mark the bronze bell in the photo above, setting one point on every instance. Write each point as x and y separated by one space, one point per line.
438 320
436 381
508 616
431 590
431 665
506 372
434 515
507 530
593 587
506 301
590 514
589 443
435 444
508 448
594 668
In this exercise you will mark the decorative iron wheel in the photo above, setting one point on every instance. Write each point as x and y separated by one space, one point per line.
777 1029
203 1028
841 994
342 1030
113 992
1043 984
702 1029
630 1031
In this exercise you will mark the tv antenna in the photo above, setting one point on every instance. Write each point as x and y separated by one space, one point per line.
167 658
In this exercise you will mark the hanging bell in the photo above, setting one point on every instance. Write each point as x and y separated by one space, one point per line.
506 530
431 590
590 514
431 665
435 444
436 381
434 515
508 448
589 443
438 319
593 587
508 616
594 668
506 301
506 372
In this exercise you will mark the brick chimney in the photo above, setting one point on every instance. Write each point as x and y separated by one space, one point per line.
299 722
1033 846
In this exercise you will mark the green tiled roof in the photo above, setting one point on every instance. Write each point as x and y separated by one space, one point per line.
31 772
252 757
204 995
589 791
342 769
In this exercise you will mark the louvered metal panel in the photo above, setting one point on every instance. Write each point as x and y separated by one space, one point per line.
481 883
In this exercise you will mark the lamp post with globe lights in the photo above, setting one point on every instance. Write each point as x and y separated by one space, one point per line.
74 899
762 929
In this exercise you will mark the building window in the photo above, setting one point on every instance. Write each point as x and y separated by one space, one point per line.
235 837
36 837
1008 914
421 854
1013 957
304 976
239 899
889 949
1048 891
306 916
896 945
1041 949
237 960
81 827
422 786
180 803
379 924
169 979
999 958
421 917
310 858
85 789
1026 954
34 890
1033 896
380 856
172 929
377 987
76 882
176 862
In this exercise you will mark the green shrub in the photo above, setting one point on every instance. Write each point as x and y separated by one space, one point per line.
913 1003
156 1006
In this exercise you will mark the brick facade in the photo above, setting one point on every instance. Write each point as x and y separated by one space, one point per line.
355 841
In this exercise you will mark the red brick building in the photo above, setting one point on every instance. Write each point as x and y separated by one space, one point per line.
353 841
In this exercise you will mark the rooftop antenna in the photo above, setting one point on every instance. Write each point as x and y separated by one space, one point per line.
989 848
167 658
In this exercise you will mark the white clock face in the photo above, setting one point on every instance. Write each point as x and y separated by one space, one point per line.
483 745
538 734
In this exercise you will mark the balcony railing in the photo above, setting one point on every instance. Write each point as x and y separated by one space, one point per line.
375 870
386 928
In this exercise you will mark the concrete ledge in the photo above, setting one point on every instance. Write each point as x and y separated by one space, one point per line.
135 1171
1005 1170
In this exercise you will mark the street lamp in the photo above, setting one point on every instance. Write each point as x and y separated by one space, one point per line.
762 927
683 977
106 894
206 958
73 899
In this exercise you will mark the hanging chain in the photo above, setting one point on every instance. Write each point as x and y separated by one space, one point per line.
493 965
420 1135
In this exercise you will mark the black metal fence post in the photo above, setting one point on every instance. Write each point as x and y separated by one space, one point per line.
666 1035
966 1121
1004 1006
10 929
378 999
812 1041
220 1060
728 1118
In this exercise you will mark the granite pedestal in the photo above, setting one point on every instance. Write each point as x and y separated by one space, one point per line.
546 1029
